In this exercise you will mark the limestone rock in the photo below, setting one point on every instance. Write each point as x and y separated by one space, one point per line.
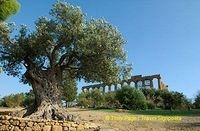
56 128
47 128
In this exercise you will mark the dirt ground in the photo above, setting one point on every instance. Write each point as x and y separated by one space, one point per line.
123 121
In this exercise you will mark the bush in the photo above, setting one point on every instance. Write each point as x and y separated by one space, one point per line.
110 100
150 96
14 100
175 100
131 98
84 99
96 98
197 101
29 99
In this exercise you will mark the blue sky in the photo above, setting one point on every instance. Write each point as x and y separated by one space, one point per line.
163 37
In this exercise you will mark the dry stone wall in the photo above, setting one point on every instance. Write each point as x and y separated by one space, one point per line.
8 123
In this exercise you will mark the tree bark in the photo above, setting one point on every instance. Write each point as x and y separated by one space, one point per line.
46 87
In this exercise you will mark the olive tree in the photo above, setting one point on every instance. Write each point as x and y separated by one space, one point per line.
67 41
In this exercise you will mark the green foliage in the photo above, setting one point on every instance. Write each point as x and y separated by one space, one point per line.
69 88
18 100
84 99
14 100
2 104
29 99
110 100
164 99
197 101
92 98
89 49
96 97
175 100
153 97
131 98
8 8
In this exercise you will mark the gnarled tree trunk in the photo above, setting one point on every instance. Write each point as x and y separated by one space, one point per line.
46 87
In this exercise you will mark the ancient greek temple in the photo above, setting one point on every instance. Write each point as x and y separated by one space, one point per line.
135 81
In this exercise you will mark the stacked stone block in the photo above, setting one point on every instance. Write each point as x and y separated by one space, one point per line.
8 123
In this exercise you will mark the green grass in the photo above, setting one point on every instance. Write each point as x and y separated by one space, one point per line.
192 112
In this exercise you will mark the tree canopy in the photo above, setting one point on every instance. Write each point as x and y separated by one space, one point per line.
66 42
89 49
8 8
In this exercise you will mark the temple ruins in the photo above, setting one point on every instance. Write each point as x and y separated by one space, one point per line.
135 81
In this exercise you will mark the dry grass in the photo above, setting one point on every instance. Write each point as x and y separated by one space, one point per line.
187 122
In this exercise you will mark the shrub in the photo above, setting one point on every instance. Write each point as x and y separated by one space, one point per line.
174 100
131 98
197 101
84 99
14 100
96 98
110 100
29 99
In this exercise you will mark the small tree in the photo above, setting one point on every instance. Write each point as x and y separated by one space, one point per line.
149 93
197 100
69 91
8 8
96 97
174 100
14 100
84 99
29 99
110 99
131 98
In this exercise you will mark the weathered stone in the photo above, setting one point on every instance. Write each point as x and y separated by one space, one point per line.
135 80
66 124
46 128
74 125
21 127
23 124
15 123
72 129
80 127
7 117
30 124
28 129
56 128
65 128
2 127
16 129
36 128
5 122
90 126
41 124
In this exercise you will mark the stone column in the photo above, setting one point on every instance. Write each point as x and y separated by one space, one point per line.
104 89
136 85
115 87
109 88
88 89
143 83
151 83
159 84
